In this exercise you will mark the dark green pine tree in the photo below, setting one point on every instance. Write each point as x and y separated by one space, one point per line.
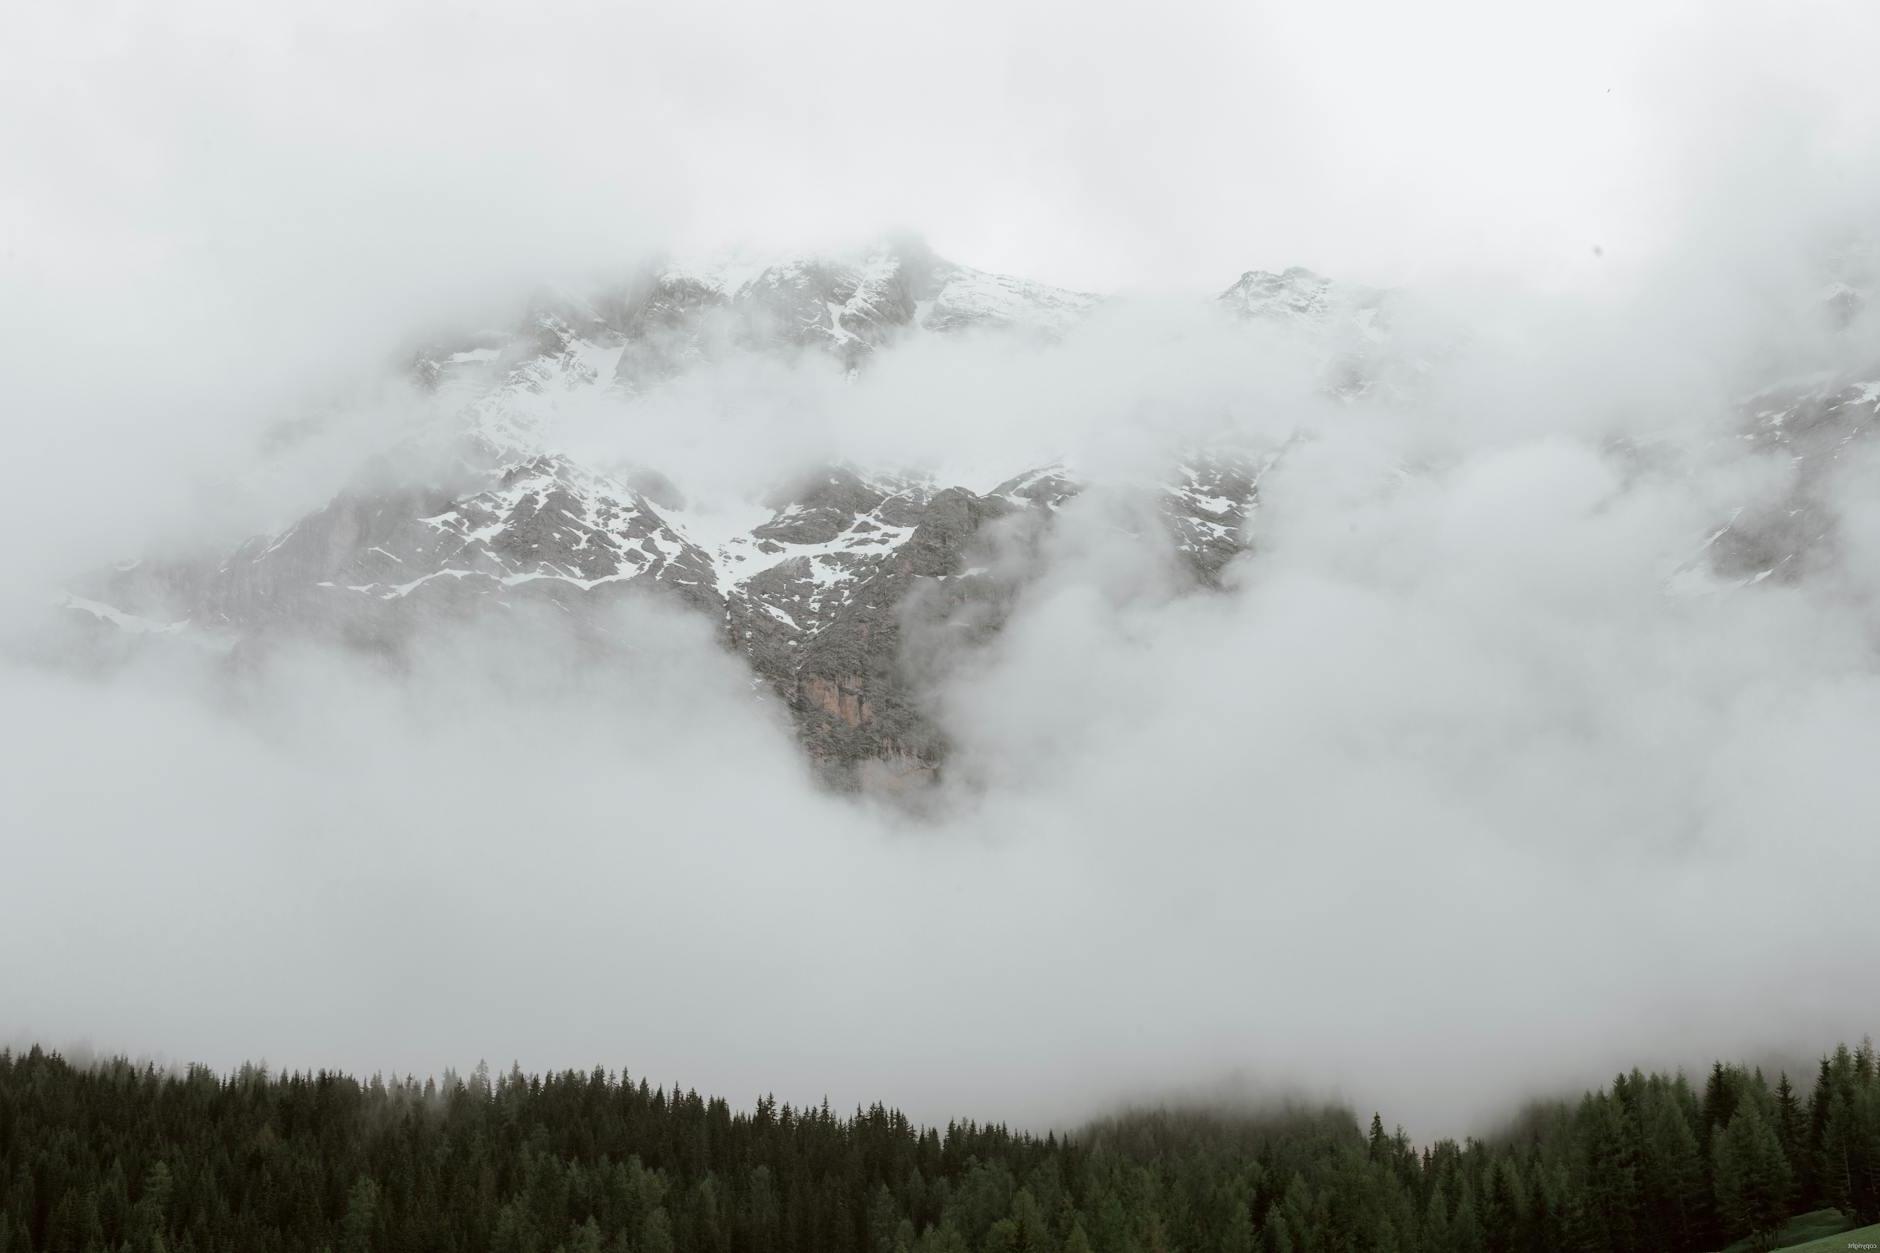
1505 1208
1436 1234
1239 1236
1792 1131
1752 1178
1720 1098
1864 1129
1609 1171
1276 1234
1850 1152
1672 1172
1465 1225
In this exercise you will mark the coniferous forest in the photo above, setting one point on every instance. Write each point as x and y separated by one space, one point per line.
117 1156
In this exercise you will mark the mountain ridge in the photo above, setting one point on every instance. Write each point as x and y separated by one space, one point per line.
822 584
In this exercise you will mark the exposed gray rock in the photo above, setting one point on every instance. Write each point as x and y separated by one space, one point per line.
848 601
1208 508
373 562
1812 426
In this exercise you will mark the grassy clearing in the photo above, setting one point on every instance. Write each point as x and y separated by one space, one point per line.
1868 1236
1802 1230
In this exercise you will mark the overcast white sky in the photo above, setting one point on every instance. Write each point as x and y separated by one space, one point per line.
312 182
1447 704
1092 145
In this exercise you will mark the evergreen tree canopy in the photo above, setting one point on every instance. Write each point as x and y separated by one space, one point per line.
116 1157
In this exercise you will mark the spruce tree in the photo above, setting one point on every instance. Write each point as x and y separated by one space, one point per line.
1275 1234
1672 1173
1436 1237
1752 1177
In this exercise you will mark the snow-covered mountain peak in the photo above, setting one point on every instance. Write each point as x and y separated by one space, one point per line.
816 584
506 386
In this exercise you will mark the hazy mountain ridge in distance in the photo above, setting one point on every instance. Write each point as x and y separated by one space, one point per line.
842 566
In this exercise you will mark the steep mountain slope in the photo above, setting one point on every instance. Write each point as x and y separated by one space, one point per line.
1812 426
679 314
845 597
862 587
821 598
850 589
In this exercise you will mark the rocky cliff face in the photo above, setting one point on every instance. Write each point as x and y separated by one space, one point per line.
822 598
860 587
841 598
1810 426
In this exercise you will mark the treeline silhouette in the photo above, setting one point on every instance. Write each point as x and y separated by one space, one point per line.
117 1156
